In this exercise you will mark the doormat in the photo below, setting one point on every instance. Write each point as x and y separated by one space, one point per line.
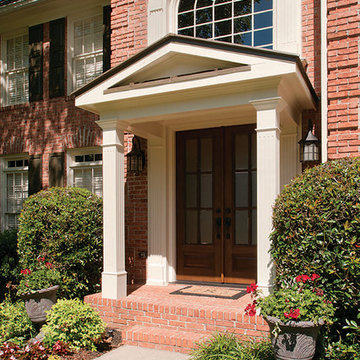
211 291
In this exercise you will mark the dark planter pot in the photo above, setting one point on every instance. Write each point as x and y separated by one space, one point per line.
37 303
296 340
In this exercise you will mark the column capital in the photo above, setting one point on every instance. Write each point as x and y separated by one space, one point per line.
275 103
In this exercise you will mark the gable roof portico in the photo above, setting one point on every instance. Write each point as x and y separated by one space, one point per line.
182 83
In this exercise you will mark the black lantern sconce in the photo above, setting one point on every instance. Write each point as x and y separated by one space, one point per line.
309 146
135 158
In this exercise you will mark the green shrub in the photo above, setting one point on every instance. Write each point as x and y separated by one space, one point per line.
65 226
74 323
15 325
316 224
228 346
8 260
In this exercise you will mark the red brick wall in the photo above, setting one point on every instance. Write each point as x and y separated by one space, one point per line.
343 78
129 29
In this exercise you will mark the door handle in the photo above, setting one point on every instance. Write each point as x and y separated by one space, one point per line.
218 221
227 221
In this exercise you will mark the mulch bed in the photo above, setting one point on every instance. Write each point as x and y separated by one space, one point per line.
111 341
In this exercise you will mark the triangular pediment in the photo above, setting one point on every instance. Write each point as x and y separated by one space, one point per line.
184 66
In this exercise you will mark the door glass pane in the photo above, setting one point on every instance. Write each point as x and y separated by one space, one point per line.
206 227
191 191
206 191
191 155
241 189
241 227
206 155
254 227
191 227
253 188
241 151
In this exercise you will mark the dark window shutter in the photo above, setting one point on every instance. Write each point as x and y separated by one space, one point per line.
107 37
56 170
36 63
57 58
34 174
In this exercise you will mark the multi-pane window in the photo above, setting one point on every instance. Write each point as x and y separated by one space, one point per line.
16 178
88 50
246 22
87 172
17 70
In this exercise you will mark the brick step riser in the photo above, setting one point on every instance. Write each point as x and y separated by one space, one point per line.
182 319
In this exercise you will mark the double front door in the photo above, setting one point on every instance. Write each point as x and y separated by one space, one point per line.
216 204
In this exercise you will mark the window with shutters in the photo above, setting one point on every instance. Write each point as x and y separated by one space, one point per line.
87 61
15 190
86 171
246 22
16 69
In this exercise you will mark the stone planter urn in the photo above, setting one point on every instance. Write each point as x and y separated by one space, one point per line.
296 339
37 303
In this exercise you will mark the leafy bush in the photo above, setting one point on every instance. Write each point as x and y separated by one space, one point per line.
228 346
8 260
15 325
32 351
65 226
74 323
316 224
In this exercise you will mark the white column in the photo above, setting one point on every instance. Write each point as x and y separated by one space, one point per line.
114 274
157 273
268 183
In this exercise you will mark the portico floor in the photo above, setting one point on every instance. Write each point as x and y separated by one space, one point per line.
150 316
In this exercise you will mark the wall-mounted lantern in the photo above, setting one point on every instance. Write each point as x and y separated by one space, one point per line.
309 146
135 158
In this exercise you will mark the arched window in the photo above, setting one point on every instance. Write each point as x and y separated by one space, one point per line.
247 22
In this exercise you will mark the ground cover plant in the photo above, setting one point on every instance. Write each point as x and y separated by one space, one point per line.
65 226
15 325
316 222
222 346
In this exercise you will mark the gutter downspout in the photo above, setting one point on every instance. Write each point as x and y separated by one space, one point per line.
324 81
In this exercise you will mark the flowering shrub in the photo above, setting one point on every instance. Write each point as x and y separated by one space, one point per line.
300 301
66 225
42 275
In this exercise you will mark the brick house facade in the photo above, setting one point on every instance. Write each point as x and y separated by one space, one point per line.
50 132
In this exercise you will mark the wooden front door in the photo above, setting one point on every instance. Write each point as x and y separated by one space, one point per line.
216 204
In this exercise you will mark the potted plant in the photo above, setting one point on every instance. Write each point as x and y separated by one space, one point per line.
38 288
295 314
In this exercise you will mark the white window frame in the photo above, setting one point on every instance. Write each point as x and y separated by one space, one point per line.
4 171
72 19
71 165
4 101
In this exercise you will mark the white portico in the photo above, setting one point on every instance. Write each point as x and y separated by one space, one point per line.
188 91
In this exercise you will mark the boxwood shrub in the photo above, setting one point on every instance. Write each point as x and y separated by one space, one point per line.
65 226
316 221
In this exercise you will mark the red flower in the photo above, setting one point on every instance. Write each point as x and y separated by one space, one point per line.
314 277
293 314
302 278
49 265
25 272
251 309
252 288
42 258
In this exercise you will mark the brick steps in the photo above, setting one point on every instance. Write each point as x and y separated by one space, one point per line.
158 338
151 316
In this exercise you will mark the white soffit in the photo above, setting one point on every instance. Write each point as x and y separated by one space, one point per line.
191 68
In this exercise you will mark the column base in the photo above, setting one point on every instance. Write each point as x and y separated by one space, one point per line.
156 273
114 285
